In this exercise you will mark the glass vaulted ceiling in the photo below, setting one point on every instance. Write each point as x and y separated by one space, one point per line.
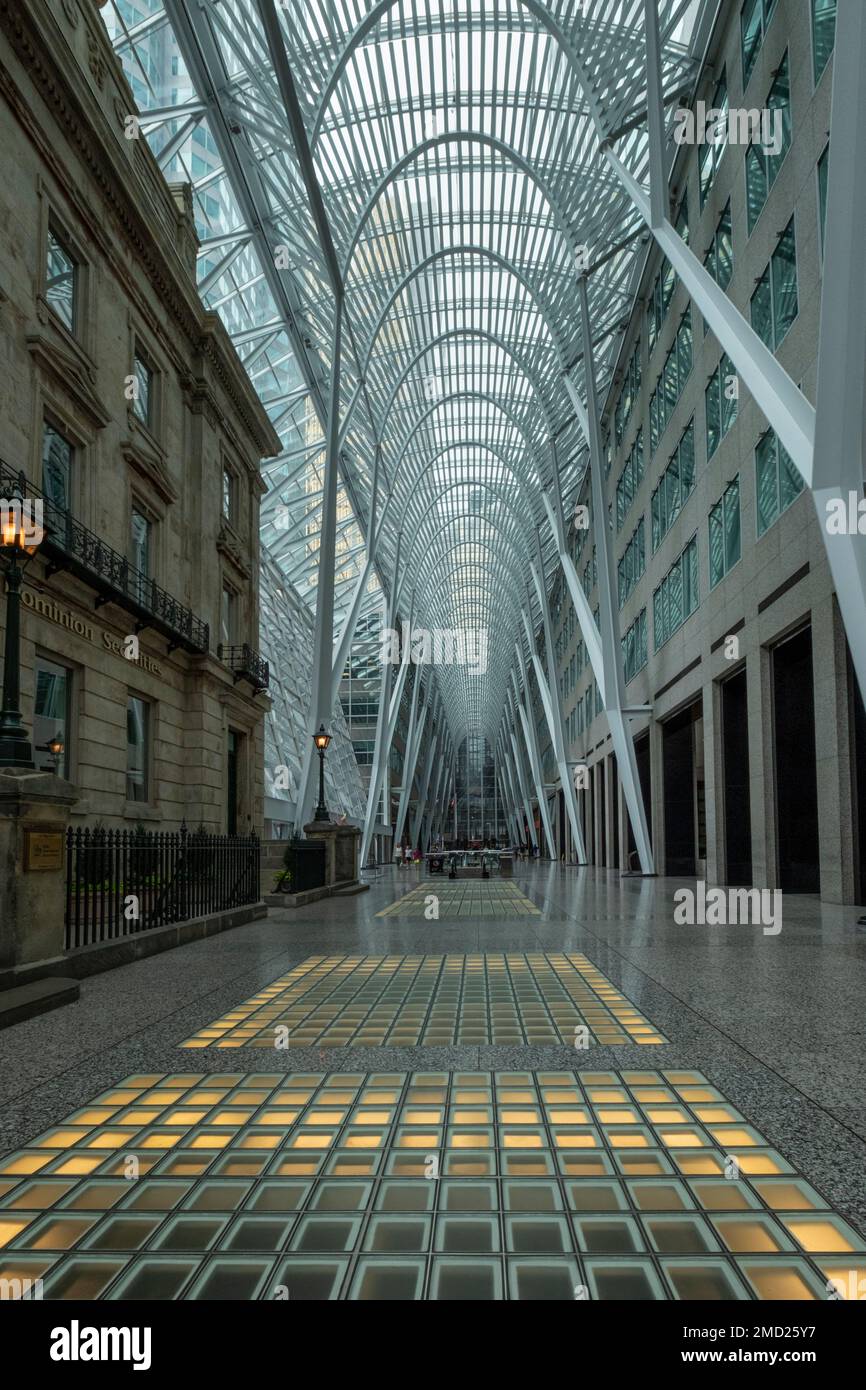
457 148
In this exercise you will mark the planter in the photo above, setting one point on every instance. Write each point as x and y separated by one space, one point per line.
305 863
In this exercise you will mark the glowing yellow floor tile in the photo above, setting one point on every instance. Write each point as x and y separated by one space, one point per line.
777 1235
368 1001
463 898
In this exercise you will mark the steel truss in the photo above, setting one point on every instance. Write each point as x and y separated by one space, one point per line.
428 247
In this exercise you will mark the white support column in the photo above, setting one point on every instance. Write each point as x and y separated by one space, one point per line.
588 629
505 789
614 681
517 824
505 792
374 787
350 411
344 643
435 815
841 410
521 777
440 801
519 800
321 703
407 758
437 802
659 206
537 776
445 794
530 738
343 646
518 752
547 704
385 797
385 726
512 798
524 785
425 785
553 707
410 757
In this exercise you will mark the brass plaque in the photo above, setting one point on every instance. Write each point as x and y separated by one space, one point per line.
43 849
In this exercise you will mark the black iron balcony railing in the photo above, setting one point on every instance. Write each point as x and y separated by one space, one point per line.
246 664
69 545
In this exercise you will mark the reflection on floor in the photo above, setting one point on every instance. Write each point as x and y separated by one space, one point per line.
472 898
543 998
600 1185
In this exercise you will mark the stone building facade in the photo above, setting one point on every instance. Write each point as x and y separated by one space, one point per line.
125 406
753 761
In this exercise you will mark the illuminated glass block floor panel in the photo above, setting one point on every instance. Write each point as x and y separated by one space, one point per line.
512 998
482 1185
463 898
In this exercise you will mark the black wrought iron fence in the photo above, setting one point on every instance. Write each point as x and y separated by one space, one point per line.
119 882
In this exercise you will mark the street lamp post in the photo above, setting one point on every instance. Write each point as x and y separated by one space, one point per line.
16 549
321 739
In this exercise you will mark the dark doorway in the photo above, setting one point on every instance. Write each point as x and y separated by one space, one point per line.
602 816
735 779
614 808
796 771
232 784
562 839
678 767
859 789
642 758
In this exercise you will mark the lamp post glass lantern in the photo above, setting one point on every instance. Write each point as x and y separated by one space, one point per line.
321 739
55 748
16 549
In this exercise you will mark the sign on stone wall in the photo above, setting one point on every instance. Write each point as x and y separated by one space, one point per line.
43 850
48 607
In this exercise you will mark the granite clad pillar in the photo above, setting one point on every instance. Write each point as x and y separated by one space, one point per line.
34 815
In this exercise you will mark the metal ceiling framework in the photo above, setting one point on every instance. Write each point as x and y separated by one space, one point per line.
419 185
437 228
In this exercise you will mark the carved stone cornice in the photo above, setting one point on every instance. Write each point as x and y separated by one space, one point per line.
229 546
150 467
201 399
70 371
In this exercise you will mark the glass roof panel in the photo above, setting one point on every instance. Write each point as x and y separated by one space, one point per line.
455 146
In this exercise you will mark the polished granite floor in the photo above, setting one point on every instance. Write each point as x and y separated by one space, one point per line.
769 1029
